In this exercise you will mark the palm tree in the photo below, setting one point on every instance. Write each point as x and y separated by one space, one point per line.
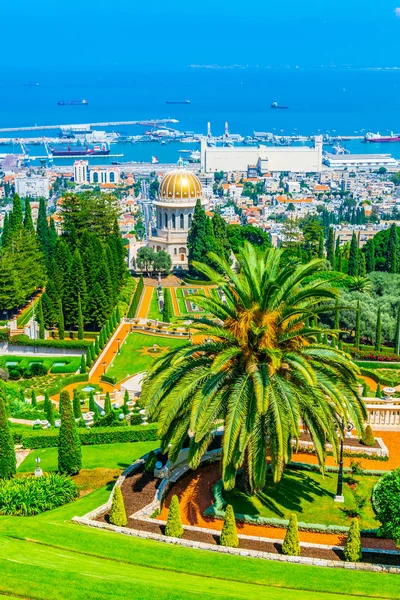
256 368
360 284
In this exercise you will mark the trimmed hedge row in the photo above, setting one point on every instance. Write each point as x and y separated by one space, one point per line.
136 298
64 381
108 379
24 340
95 435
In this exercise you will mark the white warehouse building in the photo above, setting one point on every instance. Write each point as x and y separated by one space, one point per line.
267 158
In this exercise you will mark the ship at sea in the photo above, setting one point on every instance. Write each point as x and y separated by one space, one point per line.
177 102
83 102
377 137
276 105
80 150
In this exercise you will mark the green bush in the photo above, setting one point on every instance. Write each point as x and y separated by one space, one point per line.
229 537
109 379
96 435
69 447
136 298
117 512
24 340
29 496
107 403
38 369
352 549
174 527
7 454
150 463
63 369
386 502
368 437
291 543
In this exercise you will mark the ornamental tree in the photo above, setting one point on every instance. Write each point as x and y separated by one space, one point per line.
8 464
69 444
174 528
352 550
229 536
291 543
386 501
117 512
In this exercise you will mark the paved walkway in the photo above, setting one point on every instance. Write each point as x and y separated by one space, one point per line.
144 305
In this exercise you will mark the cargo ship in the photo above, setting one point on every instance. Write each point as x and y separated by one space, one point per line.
377 137
177 102
77 150
83 102
276 105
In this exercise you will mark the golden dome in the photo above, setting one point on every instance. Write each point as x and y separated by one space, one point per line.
180 185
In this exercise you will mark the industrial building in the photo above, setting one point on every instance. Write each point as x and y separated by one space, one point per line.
369 161
32 186
264 158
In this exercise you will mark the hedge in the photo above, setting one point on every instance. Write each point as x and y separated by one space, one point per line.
63 369
64 381
97 435
136 298
4 335
24 340
108 379
375 356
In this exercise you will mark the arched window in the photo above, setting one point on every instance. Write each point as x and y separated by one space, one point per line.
158 248
159 220
182 221
95 177
173 221
112 177
165 220
190 220
182 250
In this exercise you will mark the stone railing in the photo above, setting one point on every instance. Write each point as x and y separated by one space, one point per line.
383 415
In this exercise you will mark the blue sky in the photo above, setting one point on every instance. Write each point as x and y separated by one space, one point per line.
100 32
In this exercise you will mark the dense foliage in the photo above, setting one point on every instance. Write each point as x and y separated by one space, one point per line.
7 453
29 496
69 448
386 501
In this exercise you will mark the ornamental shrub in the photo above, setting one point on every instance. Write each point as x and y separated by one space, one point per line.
50 413
150 463
378 391
174 527
229 537
29 496
33 400
107 403
69 445
291 543
77 405
117 512
7 453
352 549
92 403
368 437
38 369
82 368
365 390
386 502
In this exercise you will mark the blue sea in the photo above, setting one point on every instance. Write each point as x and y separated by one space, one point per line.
339 101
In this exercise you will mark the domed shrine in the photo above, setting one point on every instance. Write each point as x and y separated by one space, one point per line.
179 191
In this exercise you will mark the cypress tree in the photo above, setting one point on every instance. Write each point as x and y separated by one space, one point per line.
96 346
358 327
89 359
378 391
229 537
107 404
125 407
69 445
42 227
174 528
117 315
368 437
378 331
80 319
77 405
362 267
49 410
61 327
33 399
40 319
330 250
28 223
397 333
339 266
337 315
101 340
197 237
391 253
291 543
16 215
223 247
352 550
370 255
337 253
82 367
321 244
92 403
117 512
8 463
353 259
5 236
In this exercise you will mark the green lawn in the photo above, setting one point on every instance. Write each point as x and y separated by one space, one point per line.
309 495
110 456
154 313
131 360
26 315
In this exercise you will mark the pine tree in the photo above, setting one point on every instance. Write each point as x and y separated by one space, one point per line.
125 407
77 405
82 367
197 238
321 245
8 463
174 528
75 289
42 228
5 236
358 327
229 537
28 223
69 445
352 550
16 222
370 255
397 333
33 399
61 327
40 319
117 513
378 331
391 254
353 259
80 319
330 250
337 253
362 267
291 543
107 404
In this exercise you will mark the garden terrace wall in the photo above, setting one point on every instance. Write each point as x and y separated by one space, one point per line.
95 435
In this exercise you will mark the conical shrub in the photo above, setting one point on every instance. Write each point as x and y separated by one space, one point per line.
49 409
77 405
229 536
352 549
107 403
174 527
69 444
378 391
291 543
33 400
368 437
7 454
117 512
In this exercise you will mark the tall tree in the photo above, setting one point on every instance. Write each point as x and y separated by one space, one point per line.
337 254
321 245
330 249
40 319
259 371
5 236
223 246
80 319
8 462
358 326
42 228
378 331
397 333
16 221
391 256
370 255
353 258
28 223
69 444
197 237
362 267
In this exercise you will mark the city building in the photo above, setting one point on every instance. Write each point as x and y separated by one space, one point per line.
264 158
84 174
81 168
368 161
32 186
179 191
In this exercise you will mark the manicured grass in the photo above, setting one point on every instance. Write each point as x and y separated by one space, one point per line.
153 312
111 456
181 298
71 364
132 360
27 314
309 495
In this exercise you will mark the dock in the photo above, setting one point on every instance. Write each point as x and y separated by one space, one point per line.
147 123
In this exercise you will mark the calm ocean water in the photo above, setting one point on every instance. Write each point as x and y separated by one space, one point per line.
320 100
